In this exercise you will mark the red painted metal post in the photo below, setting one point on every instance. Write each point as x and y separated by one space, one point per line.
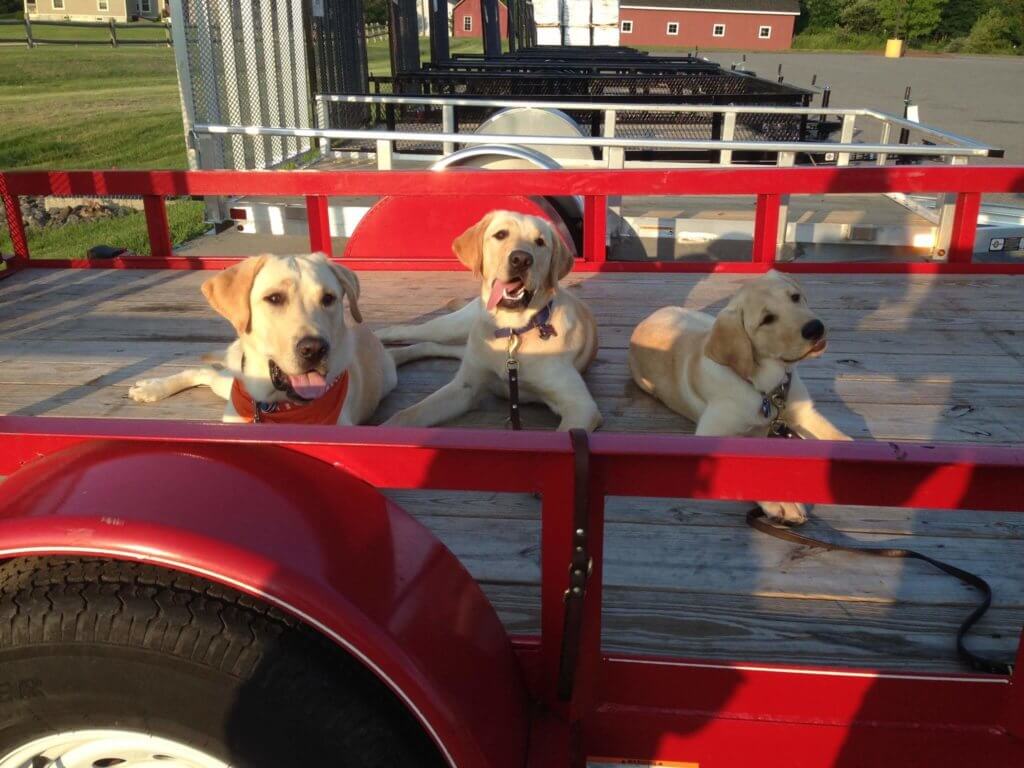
15 224
588 668
1013 709
595 228
556 551
766 229
319 224
156 224
965 226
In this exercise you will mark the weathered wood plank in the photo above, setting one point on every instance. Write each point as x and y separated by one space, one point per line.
713 561
775 630
889 521
912 357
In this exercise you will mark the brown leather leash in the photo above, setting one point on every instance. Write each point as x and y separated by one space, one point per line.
580 566
757 520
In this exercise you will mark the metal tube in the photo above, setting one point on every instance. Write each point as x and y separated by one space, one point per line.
591 141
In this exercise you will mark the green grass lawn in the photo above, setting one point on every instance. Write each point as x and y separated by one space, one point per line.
71 242
85 107
93 107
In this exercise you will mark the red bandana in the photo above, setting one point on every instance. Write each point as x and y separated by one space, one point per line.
324 410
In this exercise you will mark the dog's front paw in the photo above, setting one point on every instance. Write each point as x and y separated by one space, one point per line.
147 391
787 512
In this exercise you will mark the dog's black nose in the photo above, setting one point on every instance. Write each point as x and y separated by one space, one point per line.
520 260
312 348
813 330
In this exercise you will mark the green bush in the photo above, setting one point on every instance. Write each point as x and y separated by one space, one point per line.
838 40
910 19
860 16
818 15
990 34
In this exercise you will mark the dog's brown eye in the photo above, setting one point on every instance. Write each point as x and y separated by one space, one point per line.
501 234
328 299
768 319
539 241
277 299
796 298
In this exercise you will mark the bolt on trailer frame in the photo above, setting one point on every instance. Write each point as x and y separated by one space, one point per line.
622 708
422 145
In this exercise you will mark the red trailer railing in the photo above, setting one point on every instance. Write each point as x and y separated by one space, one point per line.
769 185
627 707
646 708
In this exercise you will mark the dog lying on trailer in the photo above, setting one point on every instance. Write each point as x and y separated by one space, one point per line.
522 314
735 374
295 360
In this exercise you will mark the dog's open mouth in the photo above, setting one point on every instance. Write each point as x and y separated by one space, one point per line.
302 386
509 294
819 346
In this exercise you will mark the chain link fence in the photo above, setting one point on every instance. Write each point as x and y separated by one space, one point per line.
244 63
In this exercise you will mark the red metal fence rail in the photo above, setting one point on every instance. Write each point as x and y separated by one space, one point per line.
620 695
767 184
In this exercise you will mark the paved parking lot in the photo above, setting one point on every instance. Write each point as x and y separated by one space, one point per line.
976 96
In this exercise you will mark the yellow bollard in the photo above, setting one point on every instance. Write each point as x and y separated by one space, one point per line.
894 48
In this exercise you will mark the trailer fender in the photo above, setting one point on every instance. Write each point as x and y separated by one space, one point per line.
430 224
304 536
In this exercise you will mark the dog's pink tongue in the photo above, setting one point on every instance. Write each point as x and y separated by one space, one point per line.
498 288
308 386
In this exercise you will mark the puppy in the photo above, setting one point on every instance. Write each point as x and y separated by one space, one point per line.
721 372
295 359
520 260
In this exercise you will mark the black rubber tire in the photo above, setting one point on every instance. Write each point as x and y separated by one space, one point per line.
90 643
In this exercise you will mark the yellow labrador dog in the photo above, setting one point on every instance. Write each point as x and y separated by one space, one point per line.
520 260
295 359
730 373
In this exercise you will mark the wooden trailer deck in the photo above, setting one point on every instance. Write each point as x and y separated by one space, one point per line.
911 358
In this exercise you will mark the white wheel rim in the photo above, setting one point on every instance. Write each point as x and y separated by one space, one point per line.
107 749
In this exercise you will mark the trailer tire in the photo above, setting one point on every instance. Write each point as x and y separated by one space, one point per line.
90 644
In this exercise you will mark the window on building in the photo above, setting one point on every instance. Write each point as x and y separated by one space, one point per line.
718 30
672 28
627 27
103 5
145 6
58 5
764 33
467 23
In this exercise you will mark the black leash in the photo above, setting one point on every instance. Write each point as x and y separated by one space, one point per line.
512 366
580 566
757 520
541 321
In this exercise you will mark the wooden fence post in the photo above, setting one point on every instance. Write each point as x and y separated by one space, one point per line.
28 33
113 33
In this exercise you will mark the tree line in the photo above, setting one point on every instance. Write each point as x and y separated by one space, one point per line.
975 26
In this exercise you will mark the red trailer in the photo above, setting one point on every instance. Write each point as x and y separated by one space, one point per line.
205 594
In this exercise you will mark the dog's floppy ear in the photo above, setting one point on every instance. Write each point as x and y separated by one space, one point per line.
562 259
469 246
350 284
783 277
729 344
228 292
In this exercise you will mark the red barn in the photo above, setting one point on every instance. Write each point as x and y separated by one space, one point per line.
759 25
468 22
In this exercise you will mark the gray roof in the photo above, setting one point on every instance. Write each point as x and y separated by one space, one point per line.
754 6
